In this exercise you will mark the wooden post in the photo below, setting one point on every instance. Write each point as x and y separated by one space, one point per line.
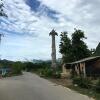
77 69
84 70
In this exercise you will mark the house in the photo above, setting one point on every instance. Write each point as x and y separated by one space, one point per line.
86 67
4 70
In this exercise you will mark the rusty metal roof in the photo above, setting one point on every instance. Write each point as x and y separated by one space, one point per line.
84 60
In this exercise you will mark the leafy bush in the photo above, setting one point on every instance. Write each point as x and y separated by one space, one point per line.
98 86
45 72
82 82
16 68
57 74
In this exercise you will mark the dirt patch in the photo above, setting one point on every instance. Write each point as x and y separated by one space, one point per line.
63 82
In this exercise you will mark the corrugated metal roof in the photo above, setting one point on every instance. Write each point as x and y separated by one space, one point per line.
84 60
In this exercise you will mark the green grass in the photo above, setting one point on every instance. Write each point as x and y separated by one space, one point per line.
88 92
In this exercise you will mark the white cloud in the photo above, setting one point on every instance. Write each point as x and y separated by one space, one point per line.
83 14
22 20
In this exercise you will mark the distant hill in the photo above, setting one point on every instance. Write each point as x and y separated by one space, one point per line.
37 61
97 51
45 61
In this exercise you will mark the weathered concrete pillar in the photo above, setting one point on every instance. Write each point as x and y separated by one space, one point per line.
53 54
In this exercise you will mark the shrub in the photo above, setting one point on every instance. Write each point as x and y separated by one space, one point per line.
56 74
48 72
45 72
98 86
16 68
82 82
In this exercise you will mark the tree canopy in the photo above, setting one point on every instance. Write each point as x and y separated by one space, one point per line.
65 47
97 51
75 48
2 13
80 49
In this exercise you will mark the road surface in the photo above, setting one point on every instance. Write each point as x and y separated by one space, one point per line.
32 87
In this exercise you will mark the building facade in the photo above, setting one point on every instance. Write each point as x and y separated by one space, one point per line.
87 67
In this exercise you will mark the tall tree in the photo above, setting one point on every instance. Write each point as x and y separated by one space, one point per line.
80 49
97 51
2 13
65 47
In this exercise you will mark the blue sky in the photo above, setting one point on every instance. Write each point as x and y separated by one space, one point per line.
26 30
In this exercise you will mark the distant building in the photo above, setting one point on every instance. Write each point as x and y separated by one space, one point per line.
4 70
86 67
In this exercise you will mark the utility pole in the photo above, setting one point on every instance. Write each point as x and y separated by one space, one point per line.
53 55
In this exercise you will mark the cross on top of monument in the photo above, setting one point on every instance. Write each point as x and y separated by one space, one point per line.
53 32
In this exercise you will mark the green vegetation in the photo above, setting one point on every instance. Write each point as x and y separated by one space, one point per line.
17 68
82 82
89 92
98 86
14 67
86 86
44 70
75 48
2 13
65 47
79 47
97 51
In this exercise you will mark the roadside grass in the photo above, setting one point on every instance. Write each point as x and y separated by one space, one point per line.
67 83
11 75
89 92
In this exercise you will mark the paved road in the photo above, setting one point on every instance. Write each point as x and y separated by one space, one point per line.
31 87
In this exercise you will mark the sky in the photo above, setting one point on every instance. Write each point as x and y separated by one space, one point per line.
26 30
